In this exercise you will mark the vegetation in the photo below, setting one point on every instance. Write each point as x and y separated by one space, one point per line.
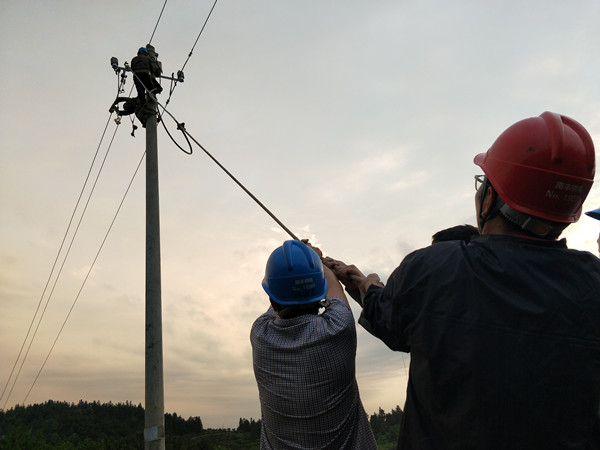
96 426
386 427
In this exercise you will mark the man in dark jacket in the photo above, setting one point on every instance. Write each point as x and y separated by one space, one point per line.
145 70
503 331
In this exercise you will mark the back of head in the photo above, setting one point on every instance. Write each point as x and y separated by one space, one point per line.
142 51
294 275
541 167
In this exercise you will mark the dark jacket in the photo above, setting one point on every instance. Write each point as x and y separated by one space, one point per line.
504 337
141 63
145 64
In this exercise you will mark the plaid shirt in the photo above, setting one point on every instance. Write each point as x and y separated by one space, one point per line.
305 371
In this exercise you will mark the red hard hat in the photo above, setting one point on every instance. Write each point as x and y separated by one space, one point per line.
542 166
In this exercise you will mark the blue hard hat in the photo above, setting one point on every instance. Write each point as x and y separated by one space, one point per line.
294 275
594 213
143 50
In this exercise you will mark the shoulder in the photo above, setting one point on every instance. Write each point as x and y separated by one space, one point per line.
336 318
263 320
335 305
435 255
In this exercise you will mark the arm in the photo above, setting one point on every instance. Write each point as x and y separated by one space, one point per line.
334 288
377 306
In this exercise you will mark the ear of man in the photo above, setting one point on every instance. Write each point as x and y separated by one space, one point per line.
488 201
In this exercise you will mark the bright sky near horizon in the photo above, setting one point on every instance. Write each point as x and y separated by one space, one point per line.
355 122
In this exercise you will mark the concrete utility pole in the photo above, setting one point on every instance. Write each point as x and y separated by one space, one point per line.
154 423
154 428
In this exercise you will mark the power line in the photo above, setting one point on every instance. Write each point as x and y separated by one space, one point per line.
157 22
62 265
174 83
51 273
120 84
199 34
86 277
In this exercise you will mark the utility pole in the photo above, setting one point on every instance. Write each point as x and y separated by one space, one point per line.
154 422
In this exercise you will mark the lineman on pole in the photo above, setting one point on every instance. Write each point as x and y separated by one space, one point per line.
145 69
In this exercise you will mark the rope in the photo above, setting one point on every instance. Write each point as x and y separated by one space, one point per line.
181 126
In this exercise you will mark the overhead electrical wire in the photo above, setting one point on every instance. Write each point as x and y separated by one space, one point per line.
87 275
199 34
120 85
72 240
52 272
157 22
174 83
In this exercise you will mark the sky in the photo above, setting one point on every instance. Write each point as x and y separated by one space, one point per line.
354 122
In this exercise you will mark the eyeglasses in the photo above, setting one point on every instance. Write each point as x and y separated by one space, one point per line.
479 180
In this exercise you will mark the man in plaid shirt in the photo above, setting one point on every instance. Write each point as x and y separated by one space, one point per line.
304 350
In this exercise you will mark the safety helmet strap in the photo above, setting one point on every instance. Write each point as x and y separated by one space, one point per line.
527 222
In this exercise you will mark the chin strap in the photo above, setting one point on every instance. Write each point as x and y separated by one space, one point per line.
527 222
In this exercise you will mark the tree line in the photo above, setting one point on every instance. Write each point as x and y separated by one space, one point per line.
103 426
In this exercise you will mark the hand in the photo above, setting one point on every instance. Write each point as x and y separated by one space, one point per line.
316 249
350 276
370 279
